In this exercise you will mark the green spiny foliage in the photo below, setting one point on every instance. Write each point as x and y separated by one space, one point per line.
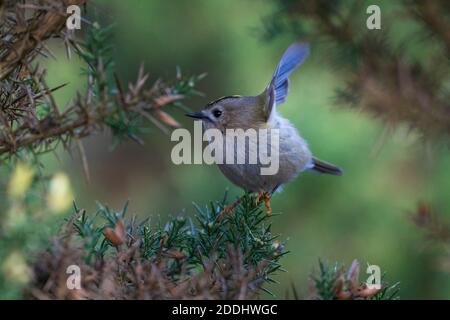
331 282
388 292
97 52
97 55
189 242
324 282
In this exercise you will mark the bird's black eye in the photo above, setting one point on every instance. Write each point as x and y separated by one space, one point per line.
217 113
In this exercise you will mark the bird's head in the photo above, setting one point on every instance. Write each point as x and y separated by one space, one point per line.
233 112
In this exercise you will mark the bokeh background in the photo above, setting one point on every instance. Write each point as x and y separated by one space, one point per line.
365 214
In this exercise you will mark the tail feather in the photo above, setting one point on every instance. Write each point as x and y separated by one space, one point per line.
324 167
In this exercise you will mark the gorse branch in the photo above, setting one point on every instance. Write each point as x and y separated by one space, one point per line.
217 256
334 283
213 256
382 73
31 120
23 44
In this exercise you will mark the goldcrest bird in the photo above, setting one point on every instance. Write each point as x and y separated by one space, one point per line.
256 112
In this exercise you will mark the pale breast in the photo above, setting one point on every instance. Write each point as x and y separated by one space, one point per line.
294 157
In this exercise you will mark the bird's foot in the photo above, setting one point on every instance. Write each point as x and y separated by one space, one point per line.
259 196
265 196
228 209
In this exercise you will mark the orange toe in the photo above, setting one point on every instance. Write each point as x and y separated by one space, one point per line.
267 204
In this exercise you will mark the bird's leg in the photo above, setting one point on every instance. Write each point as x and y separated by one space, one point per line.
259 196
266 199
265 196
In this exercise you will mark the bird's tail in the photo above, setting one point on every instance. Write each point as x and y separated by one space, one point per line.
324 167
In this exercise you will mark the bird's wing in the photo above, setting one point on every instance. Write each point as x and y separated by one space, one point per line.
277 90
293 57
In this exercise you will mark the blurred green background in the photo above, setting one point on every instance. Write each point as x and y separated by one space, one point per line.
364 214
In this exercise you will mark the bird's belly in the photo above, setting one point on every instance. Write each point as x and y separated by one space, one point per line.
293 157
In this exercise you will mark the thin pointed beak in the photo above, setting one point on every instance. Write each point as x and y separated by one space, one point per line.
197 115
